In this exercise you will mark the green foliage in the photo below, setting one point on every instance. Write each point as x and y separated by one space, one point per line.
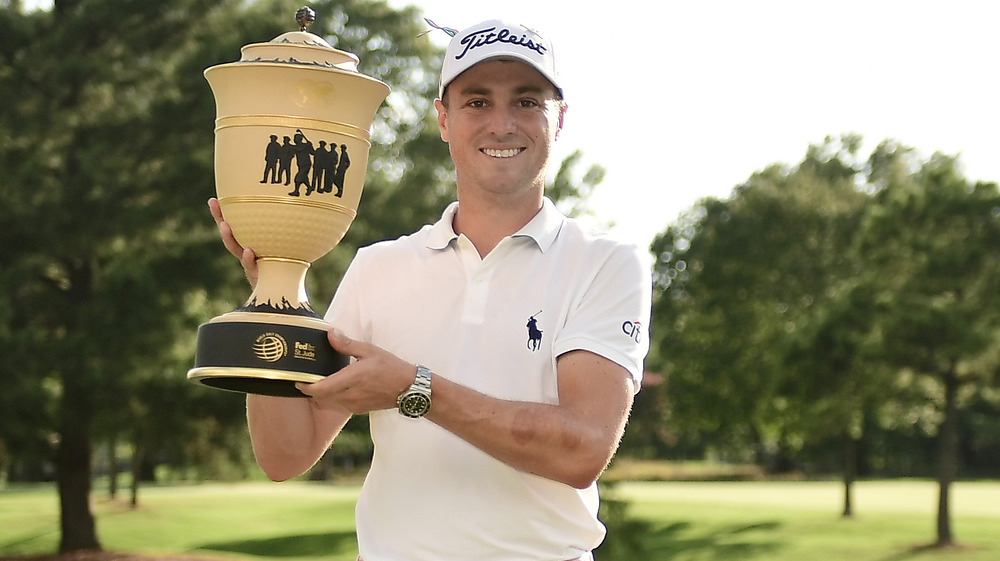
571 193
737 281
820 293
939 234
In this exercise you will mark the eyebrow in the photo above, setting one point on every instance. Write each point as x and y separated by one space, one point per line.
520 90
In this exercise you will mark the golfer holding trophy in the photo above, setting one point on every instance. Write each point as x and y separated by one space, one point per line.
521 325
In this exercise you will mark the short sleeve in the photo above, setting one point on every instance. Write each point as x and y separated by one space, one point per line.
611 316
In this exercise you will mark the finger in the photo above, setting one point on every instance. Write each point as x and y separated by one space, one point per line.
249 261
216 209
344 344
225 230
229 240
338 340
325 387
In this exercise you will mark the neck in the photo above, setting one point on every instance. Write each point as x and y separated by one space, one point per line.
485 224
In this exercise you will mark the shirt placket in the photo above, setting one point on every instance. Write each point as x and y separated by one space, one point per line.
479 275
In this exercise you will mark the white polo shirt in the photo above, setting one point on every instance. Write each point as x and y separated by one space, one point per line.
495 325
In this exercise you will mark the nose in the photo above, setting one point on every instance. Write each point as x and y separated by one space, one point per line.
502 120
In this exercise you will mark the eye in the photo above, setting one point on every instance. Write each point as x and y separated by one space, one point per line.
528 103
477 103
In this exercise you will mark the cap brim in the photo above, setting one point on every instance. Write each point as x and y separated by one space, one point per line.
502 55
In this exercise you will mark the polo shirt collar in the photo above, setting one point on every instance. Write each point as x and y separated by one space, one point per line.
543 228
442 233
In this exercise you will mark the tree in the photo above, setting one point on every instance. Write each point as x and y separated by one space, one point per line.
929 243
737 280
842 380
96 234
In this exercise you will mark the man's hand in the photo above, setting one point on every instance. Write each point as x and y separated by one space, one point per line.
371 382
246 255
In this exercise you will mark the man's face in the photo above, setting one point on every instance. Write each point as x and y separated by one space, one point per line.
500 122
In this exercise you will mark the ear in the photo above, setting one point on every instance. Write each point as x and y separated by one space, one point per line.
562 116
442 119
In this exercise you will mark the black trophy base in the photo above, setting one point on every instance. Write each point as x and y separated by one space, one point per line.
263 358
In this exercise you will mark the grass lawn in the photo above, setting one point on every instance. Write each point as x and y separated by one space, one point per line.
785 521
289 521
676 521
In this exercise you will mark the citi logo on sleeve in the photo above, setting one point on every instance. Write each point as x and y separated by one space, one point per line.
633 329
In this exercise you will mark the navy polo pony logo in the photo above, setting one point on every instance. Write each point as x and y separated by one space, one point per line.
534 334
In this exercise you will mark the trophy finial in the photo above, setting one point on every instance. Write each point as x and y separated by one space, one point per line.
304 16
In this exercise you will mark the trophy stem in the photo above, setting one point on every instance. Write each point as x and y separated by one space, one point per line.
281 288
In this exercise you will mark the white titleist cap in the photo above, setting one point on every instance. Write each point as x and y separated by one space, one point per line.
495 39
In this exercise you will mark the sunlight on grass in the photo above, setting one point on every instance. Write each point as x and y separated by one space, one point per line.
671 521
785 521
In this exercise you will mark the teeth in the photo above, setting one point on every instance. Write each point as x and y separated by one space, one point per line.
508 153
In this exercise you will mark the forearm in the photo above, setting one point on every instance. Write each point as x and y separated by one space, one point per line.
289 435
556 442
570 441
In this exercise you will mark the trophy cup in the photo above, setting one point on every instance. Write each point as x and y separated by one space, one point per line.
292 135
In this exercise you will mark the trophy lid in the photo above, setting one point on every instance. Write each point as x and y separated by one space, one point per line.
300 47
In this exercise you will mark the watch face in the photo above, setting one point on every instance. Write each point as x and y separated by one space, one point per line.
415 405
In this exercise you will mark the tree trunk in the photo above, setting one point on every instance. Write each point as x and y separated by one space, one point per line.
947 458
136 474
850 472
76 410
73 472
113 468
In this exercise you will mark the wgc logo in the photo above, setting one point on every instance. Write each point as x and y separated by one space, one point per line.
270 347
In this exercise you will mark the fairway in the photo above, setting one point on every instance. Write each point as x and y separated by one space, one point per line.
785 521
899 496
675 521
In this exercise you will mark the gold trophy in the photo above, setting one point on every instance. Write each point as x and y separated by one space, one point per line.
292 136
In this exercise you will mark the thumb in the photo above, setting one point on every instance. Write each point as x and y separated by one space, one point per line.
342 343
249 261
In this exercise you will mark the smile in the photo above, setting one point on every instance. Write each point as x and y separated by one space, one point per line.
505 153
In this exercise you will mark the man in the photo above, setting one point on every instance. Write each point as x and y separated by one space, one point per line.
512 323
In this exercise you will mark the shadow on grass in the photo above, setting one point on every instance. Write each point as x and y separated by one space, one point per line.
26 540
674 542
307 545
681 540
931 547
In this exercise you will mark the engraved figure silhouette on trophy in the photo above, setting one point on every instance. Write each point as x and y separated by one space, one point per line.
322 167
271 159
303 149
285 155
338 178
318 169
